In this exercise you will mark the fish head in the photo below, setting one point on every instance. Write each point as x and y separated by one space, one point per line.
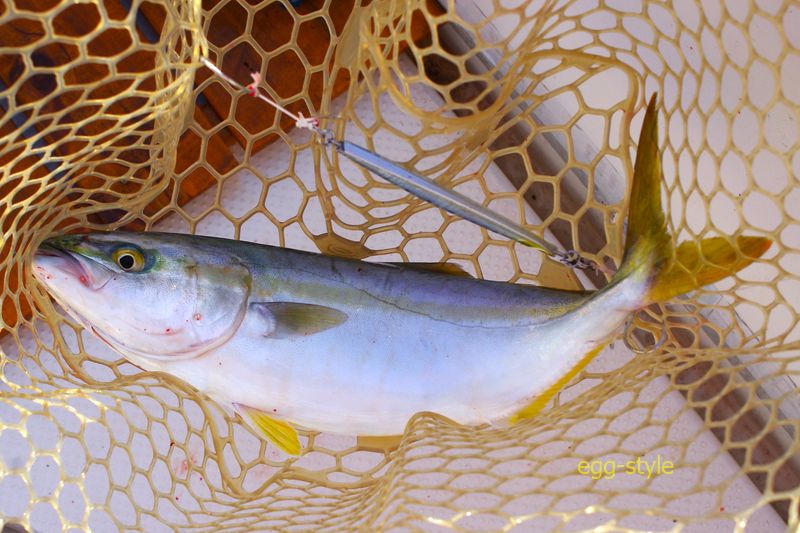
149 296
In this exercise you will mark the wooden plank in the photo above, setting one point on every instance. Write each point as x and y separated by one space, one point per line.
285 72
284 76
41 88
15 305
218 155
218 158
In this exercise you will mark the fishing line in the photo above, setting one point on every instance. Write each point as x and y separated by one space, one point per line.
447 199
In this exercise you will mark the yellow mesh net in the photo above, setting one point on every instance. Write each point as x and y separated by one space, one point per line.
107 121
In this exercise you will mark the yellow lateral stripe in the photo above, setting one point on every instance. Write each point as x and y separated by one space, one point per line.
543 399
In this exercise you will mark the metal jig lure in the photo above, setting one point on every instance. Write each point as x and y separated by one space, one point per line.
447 199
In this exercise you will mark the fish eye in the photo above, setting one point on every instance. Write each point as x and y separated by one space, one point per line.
129 259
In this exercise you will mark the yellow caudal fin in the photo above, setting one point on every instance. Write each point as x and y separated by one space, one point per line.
697 264
648 245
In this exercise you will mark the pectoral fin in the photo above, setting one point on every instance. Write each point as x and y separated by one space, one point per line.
283 320
540 401
276 431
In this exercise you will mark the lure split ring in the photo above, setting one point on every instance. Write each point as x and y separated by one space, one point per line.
573 259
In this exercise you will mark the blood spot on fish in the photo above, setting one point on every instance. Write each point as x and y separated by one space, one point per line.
197 316
168 330
44 273
274 410
82 279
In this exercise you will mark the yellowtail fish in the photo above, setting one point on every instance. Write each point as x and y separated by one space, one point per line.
288 338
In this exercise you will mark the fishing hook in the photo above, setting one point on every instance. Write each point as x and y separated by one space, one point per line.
572 259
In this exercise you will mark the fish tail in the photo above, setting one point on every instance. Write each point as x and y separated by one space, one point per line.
650 254
649 247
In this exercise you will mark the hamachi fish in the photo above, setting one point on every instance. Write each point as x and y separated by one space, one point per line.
293 339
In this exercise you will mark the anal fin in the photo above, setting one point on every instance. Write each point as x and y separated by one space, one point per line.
278 432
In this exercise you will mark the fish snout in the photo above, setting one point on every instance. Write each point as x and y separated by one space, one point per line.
51 262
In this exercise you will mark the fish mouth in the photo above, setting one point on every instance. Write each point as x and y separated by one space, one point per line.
49 257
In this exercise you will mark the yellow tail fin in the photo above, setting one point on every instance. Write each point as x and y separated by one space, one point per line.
701 263
648 245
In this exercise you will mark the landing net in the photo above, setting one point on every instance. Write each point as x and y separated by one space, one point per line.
108 120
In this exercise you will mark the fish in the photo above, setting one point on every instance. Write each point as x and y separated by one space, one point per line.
289 339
